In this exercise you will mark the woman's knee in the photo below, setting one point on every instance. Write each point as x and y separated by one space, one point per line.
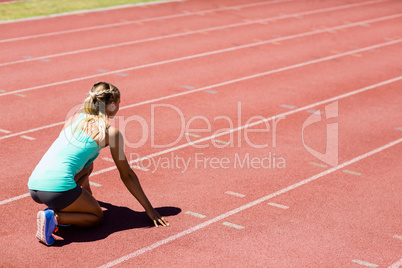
99 216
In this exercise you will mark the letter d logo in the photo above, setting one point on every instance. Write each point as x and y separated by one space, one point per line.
330 156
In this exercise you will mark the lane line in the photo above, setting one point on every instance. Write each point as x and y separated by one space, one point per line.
278 205
95 184
246 206
397 264
352 172
246 126
288 106
5 131
317 164
365 263
214 86
122 74
225 50
188 87
139 21
101 70
221 142
27 137
14 198
254 124
32 130
198 215
235 194
192 135
398 237
189 32
239 227
108 159
140 168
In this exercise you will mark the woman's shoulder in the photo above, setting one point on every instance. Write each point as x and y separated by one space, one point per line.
71 120
113 136
113 131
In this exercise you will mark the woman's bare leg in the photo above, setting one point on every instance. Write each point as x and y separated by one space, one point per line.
84 212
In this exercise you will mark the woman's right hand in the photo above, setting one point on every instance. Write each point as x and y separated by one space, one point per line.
156 218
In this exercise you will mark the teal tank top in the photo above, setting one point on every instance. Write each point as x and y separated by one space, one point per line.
72 151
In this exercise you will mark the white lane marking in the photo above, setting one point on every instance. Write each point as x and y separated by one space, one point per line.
235 194
184 34
396 264
317 164
101 70
352 172
136 21
140 168
256 123
192 135
95 184
200 89
88 11
32 130
221 142
398 237
181 94
249 125
225 50
122 74
365 263
246 206
108 159
27 137
198 215
288 106
14 198
5 131
239 227
278 205
314 111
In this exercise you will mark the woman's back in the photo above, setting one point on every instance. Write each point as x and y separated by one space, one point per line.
72 151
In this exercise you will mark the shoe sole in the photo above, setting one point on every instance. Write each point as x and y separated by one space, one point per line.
41 222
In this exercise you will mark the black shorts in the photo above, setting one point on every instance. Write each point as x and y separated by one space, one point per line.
56 200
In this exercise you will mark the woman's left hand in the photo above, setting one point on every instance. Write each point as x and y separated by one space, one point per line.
156 218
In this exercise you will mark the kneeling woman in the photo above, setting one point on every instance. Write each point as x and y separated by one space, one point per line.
60 180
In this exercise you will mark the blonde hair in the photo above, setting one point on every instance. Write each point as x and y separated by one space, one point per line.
94 108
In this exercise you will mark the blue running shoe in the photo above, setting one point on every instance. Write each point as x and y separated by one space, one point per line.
61 225
47 223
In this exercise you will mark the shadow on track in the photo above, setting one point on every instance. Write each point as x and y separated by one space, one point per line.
115 219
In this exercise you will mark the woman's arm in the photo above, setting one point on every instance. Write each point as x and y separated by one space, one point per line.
127 175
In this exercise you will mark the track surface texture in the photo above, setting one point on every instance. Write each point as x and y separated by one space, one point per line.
268 133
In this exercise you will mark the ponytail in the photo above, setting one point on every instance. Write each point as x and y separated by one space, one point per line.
94 107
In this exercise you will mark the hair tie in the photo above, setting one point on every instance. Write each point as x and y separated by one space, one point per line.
92 95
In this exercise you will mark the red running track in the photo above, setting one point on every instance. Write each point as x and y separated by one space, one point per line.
229 63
